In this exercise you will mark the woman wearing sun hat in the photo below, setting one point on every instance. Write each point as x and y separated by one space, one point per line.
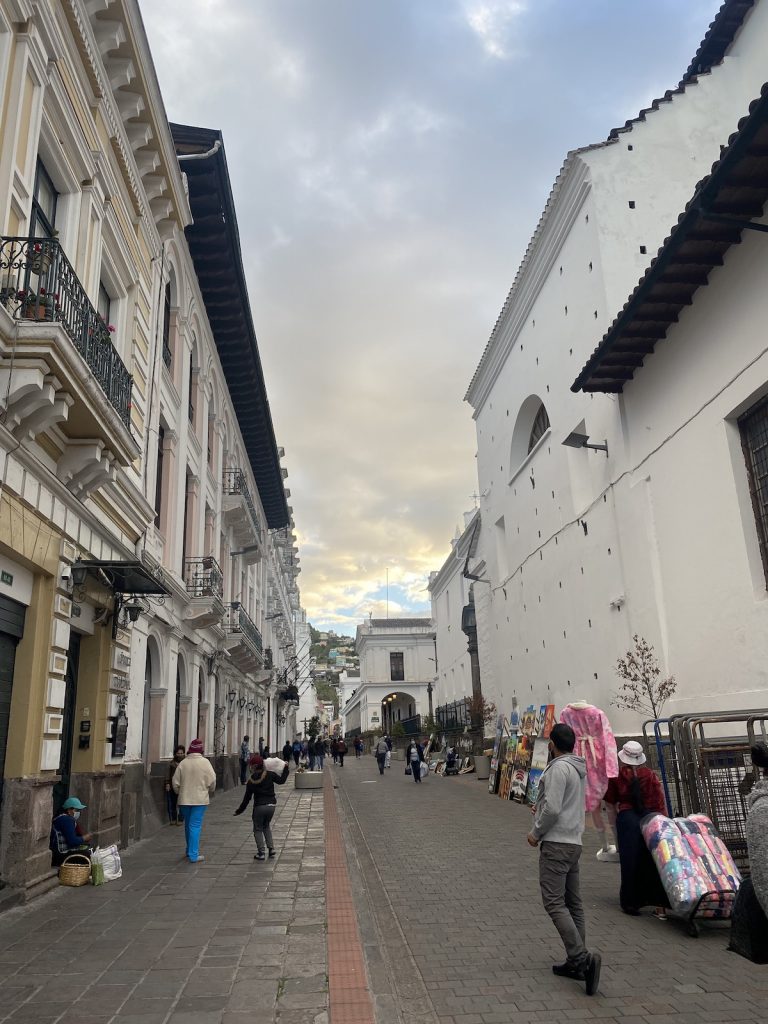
635 793
66 835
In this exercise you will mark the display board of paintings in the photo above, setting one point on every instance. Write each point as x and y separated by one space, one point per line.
520 752
539 759
493 778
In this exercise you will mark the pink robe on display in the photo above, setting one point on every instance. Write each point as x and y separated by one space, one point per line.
596 744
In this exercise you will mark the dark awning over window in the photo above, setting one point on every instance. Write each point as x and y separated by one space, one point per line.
214 242
124 577
724 204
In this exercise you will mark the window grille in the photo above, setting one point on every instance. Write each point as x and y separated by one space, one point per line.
753 426
539 428
396 668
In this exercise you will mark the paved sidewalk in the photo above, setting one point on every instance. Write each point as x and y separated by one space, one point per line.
455 932
229 941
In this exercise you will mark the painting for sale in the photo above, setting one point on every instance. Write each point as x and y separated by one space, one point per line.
519 784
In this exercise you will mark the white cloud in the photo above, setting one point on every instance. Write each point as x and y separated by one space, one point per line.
492 21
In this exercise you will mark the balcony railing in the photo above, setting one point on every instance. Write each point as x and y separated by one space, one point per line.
204 577
239 621
234 482
37 282
289 693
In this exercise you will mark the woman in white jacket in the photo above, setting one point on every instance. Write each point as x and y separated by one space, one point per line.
195 782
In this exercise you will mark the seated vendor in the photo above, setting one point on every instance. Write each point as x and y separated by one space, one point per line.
66 835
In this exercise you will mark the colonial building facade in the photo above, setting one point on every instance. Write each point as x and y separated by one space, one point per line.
149 568
397 658
581 548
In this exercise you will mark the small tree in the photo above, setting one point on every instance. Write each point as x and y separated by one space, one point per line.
481 711
643 688
314 727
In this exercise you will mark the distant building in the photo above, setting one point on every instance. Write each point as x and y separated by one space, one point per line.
396 668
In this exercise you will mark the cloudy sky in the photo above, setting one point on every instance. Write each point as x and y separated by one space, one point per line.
390 159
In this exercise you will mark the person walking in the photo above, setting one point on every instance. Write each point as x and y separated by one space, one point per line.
358 745
171 800
263 751
261 788
557 827
634 793
414 756
388 758
296 751
245 753
311 753
341 749
335 749
287 751
381 750
320 752
195 783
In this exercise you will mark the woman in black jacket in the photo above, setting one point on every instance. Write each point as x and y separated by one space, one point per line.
261 786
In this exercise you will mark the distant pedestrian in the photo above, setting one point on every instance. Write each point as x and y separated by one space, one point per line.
335 750
195 782
171 800
414 756
245 753
261 787
341 749
558 826
380 751
320 752
296 751
358 747
287 751
311 753
388 758
264 751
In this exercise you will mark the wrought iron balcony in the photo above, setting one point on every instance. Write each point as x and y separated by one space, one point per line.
239 510
238 623
37 282
289 693
204 577
267 657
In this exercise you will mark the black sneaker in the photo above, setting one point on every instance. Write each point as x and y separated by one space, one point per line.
568 970
259 856
272 853
592 974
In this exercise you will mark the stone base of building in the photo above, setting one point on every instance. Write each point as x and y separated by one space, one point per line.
25 828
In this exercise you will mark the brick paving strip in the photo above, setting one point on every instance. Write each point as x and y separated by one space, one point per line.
350 999
230 941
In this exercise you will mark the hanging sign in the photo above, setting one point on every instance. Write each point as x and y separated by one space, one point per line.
119 734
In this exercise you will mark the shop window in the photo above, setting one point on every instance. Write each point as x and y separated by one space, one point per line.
396 667
753 426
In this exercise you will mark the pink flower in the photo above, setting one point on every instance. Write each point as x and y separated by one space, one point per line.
111 328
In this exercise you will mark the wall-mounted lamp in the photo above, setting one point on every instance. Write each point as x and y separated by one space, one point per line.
577 440
79 573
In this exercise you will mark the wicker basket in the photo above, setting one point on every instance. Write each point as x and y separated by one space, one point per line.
75 870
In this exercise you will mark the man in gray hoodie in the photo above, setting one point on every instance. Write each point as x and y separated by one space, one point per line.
558 826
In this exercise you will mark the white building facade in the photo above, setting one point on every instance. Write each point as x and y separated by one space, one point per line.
569 564
449 592
397 660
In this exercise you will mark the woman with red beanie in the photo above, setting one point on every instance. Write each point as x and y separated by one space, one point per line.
195 782
261 786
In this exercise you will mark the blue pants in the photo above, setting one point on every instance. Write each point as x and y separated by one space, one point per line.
321 760
193 825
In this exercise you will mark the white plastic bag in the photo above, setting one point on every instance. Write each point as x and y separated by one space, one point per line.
423 768
274 764
109 858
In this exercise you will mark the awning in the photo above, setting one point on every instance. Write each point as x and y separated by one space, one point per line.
123 577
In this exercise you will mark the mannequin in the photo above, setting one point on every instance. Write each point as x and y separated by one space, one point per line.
596 744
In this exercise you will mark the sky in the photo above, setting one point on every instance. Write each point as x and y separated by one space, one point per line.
389 162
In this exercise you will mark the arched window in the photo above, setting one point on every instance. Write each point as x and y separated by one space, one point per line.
539 428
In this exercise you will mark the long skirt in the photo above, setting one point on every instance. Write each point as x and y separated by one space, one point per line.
749 926
640 882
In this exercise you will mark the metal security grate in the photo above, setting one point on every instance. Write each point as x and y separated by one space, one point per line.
754 441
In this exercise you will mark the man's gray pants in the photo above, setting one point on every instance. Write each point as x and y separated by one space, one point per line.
559 881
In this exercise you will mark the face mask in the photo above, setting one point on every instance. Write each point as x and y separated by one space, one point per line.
76 815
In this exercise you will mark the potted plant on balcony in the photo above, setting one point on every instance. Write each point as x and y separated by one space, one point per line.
41 254
40 306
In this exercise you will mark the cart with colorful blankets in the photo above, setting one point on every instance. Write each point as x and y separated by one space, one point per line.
695 866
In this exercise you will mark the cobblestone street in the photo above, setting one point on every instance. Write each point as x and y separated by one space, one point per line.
461 936
444 893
